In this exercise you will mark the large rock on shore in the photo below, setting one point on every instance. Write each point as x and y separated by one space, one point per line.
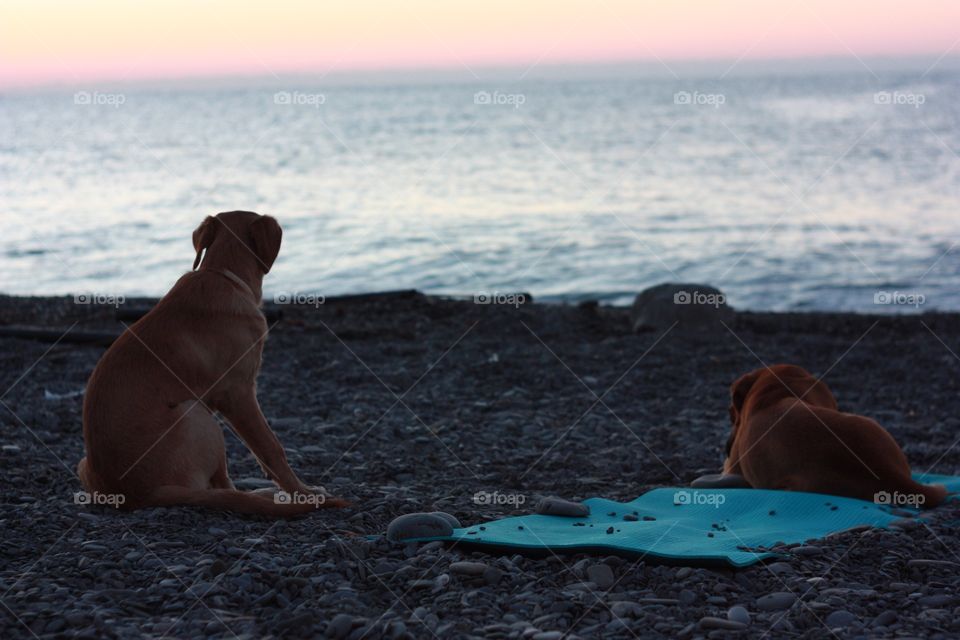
688 305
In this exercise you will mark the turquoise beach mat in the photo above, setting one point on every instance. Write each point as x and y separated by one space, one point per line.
689 526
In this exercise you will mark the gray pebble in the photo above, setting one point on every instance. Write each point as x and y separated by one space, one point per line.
840 618
924 562
738 614
340 626
418 525
547 635
623 609
465 568
492 575
601 575
936 601
776 601
885 619
710 622
449 518
808 550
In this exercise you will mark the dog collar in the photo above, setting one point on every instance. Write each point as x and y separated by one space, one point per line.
230 275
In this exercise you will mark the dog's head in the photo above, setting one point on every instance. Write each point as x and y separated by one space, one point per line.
777 381
239 235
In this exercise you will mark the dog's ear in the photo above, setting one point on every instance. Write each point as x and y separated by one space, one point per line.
266 234
203 237
738 394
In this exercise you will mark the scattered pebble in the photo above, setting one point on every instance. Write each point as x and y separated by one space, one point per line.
840 618
340 626
90 572
738 614
776 601
807 550
418 525
467 568
885 619
601 575
711 622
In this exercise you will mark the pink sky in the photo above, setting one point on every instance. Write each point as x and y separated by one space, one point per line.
65 41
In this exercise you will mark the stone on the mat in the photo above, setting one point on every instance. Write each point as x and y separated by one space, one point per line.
554 506
449 518
418 525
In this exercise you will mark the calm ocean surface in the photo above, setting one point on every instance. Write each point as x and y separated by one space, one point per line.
801 192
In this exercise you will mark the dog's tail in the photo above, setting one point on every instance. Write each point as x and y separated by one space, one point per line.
933 494
235 500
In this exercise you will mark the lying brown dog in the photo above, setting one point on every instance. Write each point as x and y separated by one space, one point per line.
148 425
788 434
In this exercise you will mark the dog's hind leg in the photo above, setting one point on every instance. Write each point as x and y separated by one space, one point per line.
221 477
193 453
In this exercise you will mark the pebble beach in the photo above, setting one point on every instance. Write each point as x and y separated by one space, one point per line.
413 403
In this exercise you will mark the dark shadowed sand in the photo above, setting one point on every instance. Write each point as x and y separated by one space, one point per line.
417 405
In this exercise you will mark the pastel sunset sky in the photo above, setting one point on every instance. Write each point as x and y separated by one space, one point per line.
66 41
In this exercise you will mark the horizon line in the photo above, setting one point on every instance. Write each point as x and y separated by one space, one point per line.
644 66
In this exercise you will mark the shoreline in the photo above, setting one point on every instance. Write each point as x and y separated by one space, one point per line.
97 309
494 399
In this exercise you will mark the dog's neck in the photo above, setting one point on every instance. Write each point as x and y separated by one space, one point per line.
772 389
236 279
249 283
